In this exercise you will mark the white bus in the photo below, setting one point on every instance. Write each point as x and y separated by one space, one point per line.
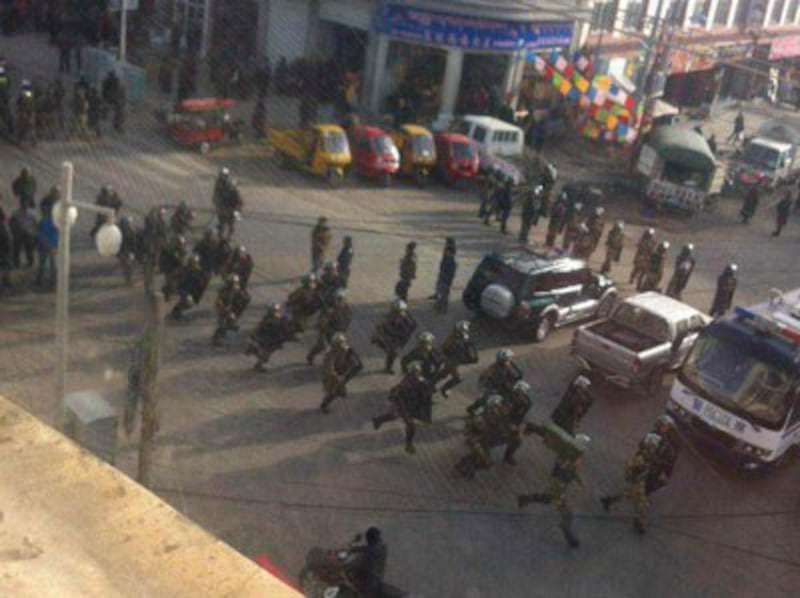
738 391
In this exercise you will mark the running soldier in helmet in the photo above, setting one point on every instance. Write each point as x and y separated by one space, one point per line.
393 332
274 329
241 264
304 302
231 303
498 378
333 318
487 429
181 220
427 355
573 405
660 473
329 283
341 365
410 400
457 350
637 472
192 284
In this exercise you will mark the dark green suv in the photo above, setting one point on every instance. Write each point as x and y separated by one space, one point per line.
536 291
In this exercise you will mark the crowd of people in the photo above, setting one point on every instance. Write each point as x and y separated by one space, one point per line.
41 110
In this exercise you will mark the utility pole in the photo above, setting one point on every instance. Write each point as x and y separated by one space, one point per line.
123 32
149 360
62 289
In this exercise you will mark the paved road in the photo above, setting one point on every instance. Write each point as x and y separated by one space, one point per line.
248 455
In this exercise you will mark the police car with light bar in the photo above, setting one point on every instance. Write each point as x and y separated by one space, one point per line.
738 391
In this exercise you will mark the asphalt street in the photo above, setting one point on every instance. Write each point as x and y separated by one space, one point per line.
250 457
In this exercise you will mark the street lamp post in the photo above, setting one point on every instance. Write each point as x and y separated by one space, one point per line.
123 31
108 240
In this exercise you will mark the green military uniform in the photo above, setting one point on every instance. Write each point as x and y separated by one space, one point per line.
411 400
614 244
341 364
393 332
490 428
427 356
231 302
272 332
644 249
655 269
408 272
457 349
304 302
333 318
320 241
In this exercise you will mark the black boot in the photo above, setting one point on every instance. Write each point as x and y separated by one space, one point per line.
607 501
325 404
389 365
638 525
378 421
569 535
508 457
523 500
410 441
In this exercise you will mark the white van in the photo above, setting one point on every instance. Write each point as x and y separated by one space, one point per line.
493 136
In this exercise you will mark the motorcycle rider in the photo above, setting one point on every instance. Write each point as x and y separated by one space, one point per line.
457 349
684 266
393 332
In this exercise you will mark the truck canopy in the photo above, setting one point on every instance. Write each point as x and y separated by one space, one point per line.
683 146
779 130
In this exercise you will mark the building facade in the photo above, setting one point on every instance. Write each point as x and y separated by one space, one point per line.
449 53
714 47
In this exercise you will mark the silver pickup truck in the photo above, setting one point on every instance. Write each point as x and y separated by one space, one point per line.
645 336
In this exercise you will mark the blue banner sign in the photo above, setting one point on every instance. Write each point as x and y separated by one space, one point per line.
469 33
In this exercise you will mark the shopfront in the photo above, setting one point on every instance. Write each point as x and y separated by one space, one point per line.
446 64
694 77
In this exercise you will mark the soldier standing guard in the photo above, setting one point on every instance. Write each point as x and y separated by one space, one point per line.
334 318
531 209
457 349
394 331
655 269
565 471
584 243
596 224
408 272
572 229
227 203
644 249
558 218
320 240
614 244
411 400
341 365
726 287
684 266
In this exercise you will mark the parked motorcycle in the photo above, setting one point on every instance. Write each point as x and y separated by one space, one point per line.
324 576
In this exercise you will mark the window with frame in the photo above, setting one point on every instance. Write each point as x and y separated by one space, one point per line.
603 15
633 15
723 12
791 13
479 134
777 12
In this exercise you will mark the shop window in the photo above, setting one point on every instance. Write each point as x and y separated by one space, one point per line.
723 12
777 12
633 15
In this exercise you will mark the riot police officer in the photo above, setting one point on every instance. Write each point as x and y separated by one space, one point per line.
181 220
505 203
572 229
558 219
655 269
408 271
641 261
489 428
320 240
304 301
231 302
457 350
684 266
573 405
154 240
410 400
227 202
274 329
660 472
335 317
427 355
565 471
726 287
206 250
344 261
596 224
500 377
192 284
341 364
637 472
584 243
170 262
393 332
241 264
614 244
531 210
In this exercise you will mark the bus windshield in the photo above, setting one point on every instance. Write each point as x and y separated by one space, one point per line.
735 379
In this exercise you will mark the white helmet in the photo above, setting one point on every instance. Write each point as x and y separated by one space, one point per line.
522 386
399 305
582 381
505 355
582 440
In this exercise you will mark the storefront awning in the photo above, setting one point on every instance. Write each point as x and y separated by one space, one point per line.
683 146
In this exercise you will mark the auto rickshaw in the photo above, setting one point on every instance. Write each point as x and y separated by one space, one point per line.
417 152
321 150
374 154
457 157
200 123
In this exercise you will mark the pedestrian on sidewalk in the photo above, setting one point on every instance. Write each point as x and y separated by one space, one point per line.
24 229
447 273
738 128
783 209
47 242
